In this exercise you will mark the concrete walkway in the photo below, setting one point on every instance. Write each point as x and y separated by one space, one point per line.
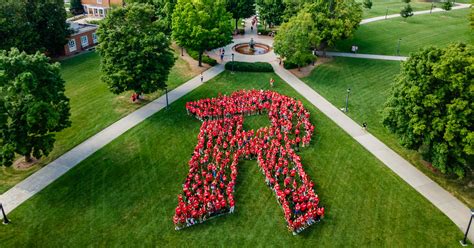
442 199
364 56
42 178
422 12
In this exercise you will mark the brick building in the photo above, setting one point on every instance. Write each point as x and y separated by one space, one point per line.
83 38
99 8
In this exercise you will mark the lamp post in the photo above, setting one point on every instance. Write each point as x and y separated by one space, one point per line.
6 221
398 46
347 98
166 93
386 13
232 63
464 241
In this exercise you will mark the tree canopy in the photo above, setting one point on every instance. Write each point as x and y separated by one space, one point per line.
240 9
76 7
407 11
33 25
135 53
163 10
32 105
331 21
15 29
271 11
202 25
293 41
367 4
431 107
335 20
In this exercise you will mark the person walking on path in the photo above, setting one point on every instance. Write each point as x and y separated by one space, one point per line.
202 78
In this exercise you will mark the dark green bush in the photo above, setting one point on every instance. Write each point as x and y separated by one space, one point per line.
249 67
266 32
205 59
290 65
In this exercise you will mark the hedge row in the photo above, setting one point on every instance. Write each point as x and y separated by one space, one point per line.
290 65
249 67
205 59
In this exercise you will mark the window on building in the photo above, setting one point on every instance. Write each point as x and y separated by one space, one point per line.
94 38
72 45
101 12
99 1
84 41
95 12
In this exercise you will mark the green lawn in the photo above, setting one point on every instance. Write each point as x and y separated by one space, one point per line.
379 7
125 194
437 29
370 81
93 107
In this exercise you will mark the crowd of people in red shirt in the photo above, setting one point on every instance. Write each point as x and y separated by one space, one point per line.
222 141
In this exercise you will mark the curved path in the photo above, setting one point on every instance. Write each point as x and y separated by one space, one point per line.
439 197
422 12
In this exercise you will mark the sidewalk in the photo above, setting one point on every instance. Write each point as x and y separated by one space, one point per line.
380 18
438 196
42 178
364 56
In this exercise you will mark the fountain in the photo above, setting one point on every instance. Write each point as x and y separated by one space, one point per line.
252 48
252 44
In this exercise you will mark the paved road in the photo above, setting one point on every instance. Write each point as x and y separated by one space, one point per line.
42 178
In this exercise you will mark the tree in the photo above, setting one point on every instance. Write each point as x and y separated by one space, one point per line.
201 25
163 10
135 53
406 1
293 7
270 11
33 25
367 4
240 9
406 12
335 20
447 5
48 18
15 29
32 103
431 106
76 7
293 42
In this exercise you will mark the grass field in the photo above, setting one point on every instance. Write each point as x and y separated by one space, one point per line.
380 7
437 29
93 107
370 81
125 194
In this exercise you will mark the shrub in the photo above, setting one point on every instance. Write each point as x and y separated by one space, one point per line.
367 4
249 67
205 59
448 5
266 32
290 65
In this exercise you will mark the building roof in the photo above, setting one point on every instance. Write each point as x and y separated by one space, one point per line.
79 28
